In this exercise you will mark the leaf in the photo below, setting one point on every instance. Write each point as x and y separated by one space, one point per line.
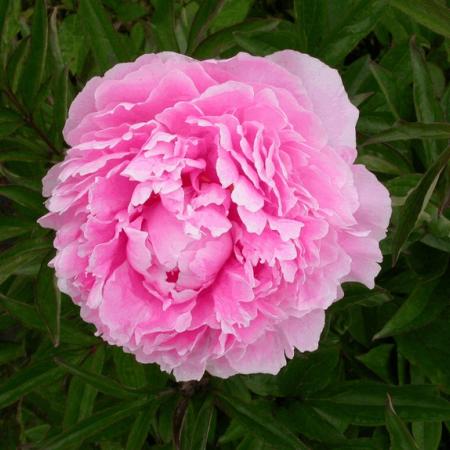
4 7
305 420
309 16
260 424
426 105
388 87
140 429
404 131
415 203
106 44
16 64
24 197
233 12
223 40
424 304
263 384
129 371
10 121
81 396
23 155
27 380
55 48
207 12
48 299
427 435
22 257
94 365
33 74
428 349
102 383
378 360
362 402
10 352
356 294
358 23
309 372
163 25
401 438
27 314
95 424
73 42
428 13
61 106
202 426
11 227
253 45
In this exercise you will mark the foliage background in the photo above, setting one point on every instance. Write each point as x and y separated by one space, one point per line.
381 378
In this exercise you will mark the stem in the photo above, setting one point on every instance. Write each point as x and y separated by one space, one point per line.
28 118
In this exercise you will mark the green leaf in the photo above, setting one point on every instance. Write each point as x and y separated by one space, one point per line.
415 203
16 64
129 371
24 197
358 23
428 13
404 131
260 424
100 382
428 349
401 438
61 106
378 360
309 372
223 40
23 155
363 402
48 299
95 424
27 314
253 45
163 25
10 121
424 304
305 420
27 380
141 426
388 86
426 105
55 48
233 12
12 227
207 12
105 43
427 435
202 426
81 396
73 42
4 7
356 294
33 74
10 352
22 257
309 16
94 365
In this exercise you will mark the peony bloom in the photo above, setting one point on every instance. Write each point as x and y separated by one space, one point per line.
207 212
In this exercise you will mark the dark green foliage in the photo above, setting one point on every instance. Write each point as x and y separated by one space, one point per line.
381 378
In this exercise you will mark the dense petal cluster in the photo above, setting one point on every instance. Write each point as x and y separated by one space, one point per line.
207 212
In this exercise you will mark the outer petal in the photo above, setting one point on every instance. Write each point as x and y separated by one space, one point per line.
327 93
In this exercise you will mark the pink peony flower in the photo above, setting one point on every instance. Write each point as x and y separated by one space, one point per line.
207 212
